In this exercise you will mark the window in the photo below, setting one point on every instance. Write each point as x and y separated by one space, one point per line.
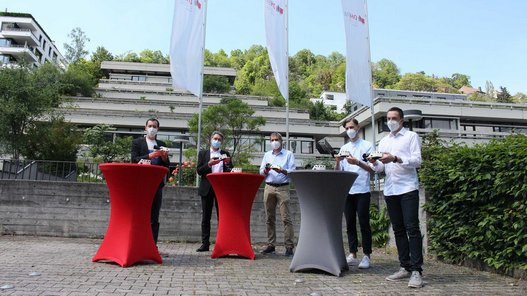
306 147
138 78
5 42
293 144
446 124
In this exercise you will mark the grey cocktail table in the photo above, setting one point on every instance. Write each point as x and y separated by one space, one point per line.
322 196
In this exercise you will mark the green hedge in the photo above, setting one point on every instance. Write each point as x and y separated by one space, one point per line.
477 201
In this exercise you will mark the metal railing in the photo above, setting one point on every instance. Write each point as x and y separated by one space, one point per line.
45 170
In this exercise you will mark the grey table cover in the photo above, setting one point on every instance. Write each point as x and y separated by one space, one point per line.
322 197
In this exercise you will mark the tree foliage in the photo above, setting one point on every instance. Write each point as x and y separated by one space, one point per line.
104 148
231 117
76 49
55 139
25 97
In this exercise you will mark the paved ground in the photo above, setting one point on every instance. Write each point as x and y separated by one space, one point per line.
62 266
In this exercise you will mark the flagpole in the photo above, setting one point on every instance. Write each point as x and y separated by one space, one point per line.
376 184
287 75
198 142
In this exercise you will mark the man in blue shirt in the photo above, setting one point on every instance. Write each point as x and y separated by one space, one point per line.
358 200
276 165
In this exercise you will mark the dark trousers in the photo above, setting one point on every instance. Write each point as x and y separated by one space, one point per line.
207 202
154 213
404 216
358 204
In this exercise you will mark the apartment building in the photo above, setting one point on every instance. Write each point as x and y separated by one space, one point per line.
22 38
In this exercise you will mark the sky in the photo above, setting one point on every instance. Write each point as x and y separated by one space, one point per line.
484 39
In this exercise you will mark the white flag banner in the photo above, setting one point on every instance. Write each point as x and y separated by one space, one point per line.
277 43
358 66
187 45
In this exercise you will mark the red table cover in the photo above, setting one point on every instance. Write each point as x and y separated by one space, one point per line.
128 238
235 193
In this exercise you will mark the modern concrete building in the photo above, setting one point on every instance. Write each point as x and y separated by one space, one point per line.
21 37
462 121
133 92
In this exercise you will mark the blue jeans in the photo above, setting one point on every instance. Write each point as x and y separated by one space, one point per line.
404 216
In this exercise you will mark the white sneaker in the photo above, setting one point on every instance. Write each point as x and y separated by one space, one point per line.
365 263
399 275
416 281
352 260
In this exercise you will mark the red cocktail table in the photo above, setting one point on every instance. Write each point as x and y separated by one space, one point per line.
235 193
128 238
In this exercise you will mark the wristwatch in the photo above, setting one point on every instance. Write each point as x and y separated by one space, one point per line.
395 159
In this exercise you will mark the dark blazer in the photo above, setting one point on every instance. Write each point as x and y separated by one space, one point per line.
140 151
203 170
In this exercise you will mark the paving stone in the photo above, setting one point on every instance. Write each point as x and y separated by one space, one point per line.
65 268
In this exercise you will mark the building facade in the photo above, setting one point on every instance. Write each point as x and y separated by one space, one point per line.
22 39
133 92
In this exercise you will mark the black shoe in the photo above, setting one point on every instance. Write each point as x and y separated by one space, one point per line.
289 251
203 248
270 249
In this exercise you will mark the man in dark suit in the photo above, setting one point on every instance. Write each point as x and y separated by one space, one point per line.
149 148
210 160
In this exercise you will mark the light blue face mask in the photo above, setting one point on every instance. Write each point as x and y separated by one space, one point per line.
215 144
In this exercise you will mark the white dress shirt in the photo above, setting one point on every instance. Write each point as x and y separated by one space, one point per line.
400 177
357 149
219 166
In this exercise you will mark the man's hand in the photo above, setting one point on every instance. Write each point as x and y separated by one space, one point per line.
387 158
214 161
352 160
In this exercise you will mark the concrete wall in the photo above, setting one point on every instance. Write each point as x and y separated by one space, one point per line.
82 210
69 209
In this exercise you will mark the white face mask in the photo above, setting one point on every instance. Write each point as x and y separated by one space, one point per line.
275 145
351 133
393 125
151 131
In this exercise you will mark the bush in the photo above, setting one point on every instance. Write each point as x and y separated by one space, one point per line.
478 201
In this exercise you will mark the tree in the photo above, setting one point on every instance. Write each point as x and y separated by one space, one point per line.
101 54
385 74
504 96
416 82
55 139
489 89
102 147
231 117
216 84
459 80
25 97
79 79
76 50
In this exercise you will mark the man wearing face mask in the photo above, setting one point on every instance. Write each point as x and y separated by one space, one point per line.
144 148
358 200
276 165
401 157
210 160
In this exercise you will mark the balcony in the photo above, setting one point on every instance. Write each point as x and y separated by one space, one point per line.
18 51
20 35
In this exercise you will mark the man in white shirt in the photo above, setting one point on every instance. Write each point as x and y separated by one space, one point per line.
358 200
401 157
